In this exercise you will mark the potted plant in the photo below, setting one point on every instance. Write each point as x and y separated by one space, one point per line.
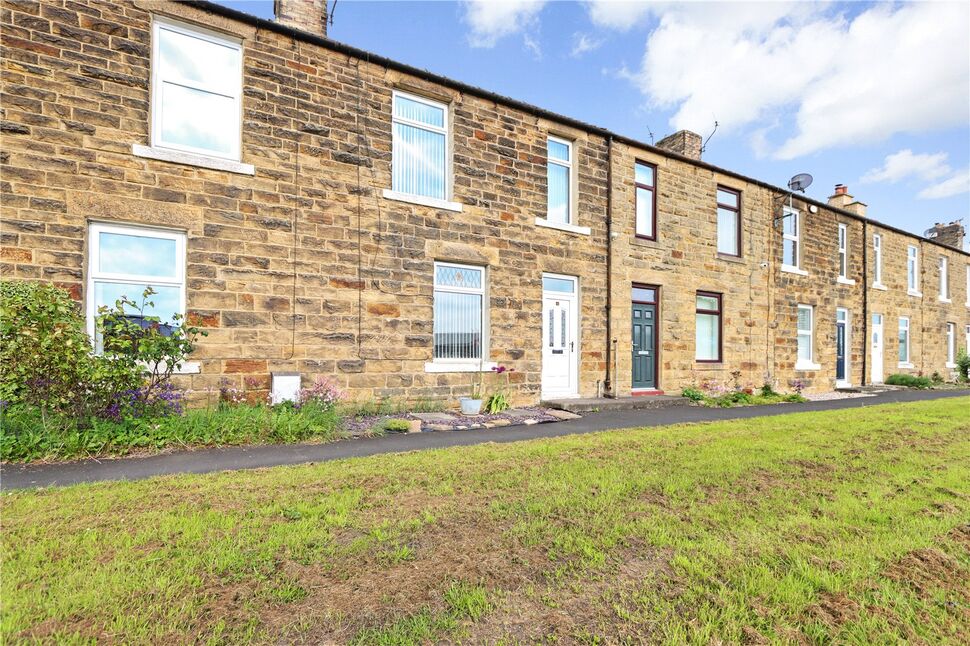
472 405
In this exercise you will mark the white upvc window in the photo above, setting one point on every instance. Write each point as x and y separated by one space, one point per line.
968 292
791 241
124 260
806 339
459 327
944 279
904 342
951 345
877 260
420 147
196 102
559 171
843 250
912 271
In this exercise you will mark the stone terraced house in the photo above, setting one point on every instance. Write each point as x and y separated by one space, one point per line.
321 210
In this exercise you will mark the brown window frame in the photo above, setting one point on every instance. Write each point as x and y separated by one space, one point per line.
653 198
737 213
719 312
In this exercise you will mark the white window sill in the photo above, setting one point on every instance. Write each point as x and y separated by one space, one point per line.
951 365
845 281
945 300
806 365
191 159
788 269
421 200
187 367
906 364
915 294
562 226
460 366
879 286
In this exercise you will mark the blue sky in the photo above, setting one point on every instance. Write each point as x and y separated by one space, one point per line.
872 95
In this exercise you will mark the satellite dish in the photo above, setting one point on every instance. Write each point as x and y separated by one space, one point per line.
800 182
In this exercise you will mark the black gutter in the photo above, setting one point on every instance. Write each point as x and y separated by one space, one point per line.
608 383
333 45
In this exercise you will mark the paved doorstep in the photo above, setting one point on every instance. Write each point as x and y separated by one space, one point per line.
252 457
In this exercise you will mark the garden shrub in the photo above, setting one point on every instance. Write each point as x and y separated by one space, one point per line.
396 425
909 381
692 394
963 365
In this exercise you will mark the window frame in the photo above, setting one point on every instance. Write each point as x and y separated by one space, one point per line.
154 109
968 292
795 238
448 179
96 276
465 364
719 313
843 251
904 363
653 198
806 364
912 258
951 345
944 270
737 215
877 259
571 169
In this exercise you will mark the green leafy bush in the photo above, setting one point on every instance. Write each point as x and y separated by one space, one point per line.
963 365
496 403
396 426
692 394
909 381
767 390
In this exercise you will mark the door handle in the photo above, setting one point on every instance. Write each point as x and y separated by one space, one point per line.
571 344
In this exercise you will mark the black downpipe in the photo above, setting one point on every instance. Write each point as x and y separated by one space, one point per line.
865 300
608 383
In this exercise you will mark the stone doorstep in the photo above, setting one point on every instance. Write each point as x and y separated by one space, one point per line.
590 404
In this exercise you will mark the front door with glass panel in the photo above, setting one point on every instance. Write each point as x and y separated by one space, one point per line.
877 343
841 347
560 341
644 341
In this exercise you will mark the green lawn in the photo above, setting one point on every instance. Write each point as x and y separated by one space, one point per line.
849 526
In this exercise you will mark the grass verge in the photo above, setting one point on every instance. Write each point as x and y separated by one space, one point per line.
845 526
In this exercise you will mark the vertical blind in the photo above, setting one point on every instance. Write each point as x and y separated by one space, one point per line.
558 172
458 297
804 333
419 148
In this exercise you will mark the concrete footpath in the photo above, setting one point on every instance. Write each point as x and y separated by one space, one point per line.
251 457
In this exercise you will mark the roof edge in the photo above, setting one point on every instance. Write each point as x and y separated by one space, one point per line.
377 59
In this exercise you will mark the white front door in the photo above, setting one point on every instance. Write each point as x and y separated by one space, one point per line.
877 348
560 341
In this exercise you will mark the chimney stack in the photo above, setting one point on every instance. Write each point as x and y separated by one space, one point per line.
683 142
949 234
842 200
306 15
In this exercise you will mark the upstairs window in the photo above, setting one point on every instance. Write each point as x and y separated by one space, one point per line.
125 260
877 259
791 239
912 270
968 293
728 221
459 295
843 251
708 327
944 279
419 147
559 171
196 90
646 184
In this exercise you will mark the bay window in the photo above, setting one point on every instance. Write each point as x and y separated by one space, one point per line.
708 327
728 221
646 197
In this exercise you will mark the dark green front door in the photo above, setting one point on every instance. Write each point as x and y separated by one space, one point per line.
644 345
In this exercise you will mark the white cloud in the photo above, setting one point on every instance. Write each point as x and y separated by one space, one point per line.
905 164
955 185
492 20
583 43
924 167
617 14
846 81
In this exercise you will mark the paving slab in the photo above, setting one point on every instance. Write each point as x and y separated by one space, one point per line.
434 417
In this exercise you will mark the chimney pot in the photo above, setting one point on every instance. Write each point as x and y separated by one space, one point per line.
841 189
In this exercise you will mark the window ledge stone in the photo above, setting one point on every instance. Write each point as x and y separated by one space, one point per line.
562 226
807 365
191 159
914 293
728 257
945 300
788 269
880 287
906 364
950 365
469 366
845 281
420 200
